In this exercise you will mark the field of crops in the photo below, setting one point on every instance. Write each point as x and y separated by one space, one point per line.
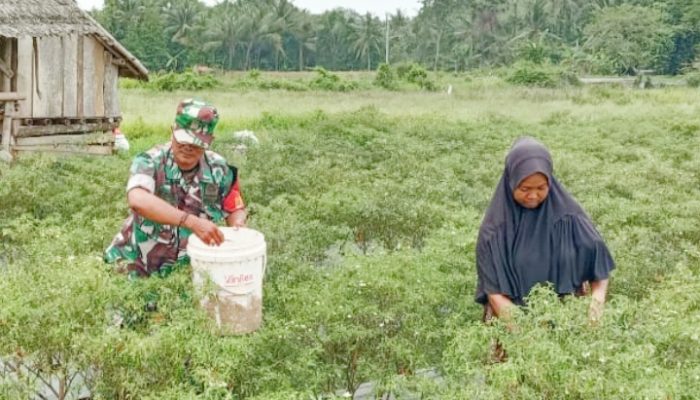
370 201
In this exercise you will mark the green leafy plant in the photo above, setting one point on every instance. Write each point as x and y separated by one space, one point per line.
385 77
171 81
371 221
326 80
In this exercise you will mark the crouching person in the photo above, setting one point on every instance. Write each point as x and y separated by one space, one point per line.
175 190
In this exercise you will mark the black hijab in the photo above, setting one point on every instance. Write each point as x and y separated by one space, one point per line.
555 242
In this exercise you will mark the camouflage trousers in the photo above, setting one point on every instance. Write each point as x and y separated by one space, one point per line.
145 248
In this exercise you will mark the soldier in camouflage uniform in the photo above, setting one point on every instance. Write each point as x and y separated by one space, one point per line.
174 190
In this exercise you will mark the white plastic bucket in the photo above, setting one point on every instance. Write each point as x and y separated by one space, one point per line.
229 278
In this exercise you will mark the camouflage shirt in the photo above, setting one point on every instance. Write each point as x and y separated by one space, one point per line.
211 192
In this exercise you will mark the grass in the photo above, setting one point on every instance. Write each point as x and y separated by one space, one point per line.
370 202
476 99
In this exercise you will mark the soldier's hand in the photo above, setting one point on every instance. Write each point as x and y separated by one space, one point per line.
205 230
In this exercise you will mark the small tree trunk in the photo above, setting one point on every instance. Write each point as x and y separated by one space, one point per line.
437 51
247 55
301 57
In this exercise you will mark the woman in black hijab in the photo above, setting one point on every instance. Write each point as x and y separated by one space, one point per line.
534 232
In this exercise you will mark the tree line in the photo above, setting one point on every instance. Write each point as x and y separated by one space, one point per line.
590 36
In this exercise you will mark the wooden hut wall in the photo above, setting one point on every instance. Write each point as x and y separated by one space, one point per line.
69 76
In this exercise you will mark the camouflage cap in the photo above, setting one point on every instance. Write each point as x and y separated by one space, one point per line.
195 122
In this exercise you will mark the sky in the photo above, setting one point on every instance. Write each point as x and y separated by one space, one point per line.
377 7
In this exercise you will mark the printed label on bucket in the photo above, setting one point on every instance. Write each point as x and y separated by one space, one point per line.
237 280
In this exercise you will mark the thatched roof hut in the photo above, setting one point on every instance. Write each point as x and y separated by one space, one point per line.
41 18
59 70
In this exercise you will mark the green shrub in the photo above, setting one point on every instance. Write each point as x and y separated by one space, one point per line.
693 80
385 77
402 70
529 74
255 81
418 75
130 83
171 81
254 74
326 80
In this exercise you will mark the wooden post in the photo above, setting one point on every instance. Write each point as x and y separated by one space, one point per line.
7 125
9 105
81 76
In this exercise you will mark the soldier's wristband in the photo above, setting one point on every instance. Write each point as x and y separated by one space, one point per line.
183 219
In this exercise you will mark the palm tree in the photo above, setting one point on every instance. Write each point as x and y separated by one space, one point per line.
259 26
333 46
566 15
120 14
304 33
285 23
367 37
225 31
181 18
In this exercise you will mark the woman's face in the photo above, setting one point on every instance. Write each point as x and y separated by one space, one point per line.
532 191
186 155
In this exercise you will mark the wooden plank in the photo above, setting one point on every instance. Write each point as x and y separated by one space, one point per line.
4 64
48 80
40 106
90 46
99 78
9 105
15 128
67 149
5 67
81 76
79 139
11 96
70 76
110 87
13 65
28 131
7 125
53 64
25 65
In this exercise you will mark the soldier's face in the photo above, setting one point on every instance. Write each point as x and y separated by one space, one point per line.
186 155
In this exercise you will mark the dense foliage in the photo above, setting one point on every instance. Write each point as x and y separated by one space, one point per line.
371 221
611 36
